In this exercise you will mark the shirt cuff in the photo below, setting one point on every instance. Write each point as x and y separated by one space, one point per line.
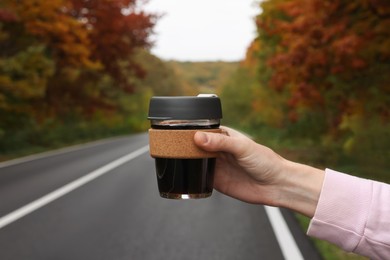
342 210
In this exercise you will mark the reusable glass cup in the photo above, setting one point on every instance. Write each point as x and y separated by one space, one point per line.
183 170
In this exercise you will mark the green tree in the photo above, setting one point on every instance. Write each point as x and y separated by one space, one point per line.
160 77
65 63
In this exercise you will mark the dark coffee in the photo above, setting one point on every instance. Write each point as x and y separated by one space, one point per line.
191 178
173 121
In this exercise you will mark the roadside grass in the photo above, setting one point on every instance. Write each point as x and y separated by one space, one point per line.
37 148
60 137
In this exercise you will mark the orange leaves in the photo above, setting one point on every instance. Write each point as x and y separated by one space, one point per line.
315 39
326 55
115 31
84 34
347 45
251 60
70 55
49 21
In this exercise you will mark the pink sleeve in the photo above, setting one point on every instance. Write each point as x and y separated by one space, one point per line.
354 214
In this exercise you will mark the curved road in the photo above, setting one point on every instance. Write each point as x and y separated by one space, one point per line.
100 201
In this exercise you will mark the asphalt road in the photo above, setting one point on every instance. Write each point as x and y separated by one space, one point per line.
119 214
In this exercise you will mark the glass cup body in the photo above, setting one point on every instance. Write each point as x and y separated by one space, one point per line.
185 178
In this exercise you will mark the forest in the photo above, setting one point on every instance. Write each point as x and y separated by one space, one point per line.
317 78
70 71
315 81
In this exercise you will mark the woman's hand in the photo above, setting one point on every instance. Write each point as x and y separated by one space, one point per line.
254 173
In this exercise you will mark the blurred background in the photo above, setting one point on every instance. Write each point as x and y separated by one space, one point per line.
310 79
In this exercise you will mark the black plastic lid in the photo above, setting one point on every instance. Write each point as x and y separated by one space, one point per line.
185 107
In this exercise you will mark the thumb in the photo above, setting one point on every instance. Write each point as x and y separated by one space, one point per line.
214 142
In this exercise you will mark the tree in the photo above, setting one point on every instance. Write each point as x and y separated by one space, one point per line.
63 62
50 23
329 56
86 40
117 29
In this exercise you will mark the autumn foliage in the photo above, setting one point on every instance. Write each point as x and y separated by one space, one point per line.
67 59
331 54
319 70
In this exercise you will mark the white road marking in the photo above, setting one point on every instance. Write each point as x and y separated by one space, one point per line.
58 193
285 239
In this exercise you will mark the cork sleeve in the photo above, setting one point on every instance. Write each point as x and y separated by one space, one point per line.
177 144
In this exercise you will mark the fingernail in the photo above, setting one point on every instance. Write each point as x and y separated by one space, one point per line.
202 137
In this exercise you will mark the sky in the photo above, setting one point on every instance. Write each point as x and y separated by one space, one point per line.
203 30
